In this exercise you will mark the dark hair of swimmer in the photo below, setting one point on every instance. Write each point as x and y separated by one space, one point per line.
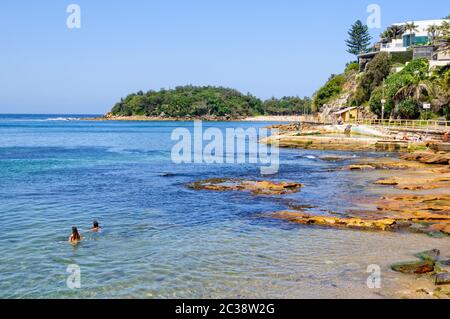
96 224
75 234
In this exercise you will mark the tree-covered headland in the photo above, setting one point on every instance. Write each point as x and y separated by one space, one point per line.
206 101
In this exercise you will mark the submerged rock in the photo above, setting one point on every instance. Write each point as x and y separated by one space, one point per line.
442 227
418 187
442 279
167 175
387 182
255 187
445 262
438 235
415 267
431 255
432 208
415 183
335 158
443 266
360 167
384 164
428 265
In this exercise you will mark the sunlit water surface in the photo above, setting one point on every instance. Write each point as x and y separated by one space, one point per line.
163 240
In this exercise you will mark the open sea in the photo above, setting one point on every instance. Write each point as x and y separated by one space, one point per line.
163 240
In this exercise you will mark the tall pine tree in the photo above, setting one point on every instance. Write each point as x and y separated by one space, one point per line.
359 38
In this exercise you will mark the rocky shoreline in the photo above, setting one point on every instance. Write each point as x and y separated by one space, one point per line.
355 138
415 172
416 210
416 187
270 118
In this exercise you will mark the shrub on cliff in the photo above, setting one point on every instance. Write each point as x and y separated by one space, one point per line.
376 71
351 67
402 57
330 90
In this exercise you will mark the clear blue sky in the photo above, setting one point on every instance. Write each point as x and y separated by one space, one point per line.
267 48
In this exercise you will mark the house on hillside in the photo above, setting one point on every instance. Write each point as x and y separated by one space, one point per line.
410 38
409 44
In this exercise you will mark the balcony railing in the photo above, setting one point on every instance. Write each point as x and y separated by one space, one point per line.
392 45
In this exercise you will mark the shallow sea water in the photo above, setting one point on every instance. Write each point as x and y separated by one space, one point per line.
163 240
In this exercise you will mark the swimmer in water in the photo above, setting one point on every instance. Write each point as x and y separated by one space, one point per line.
95 227
75 237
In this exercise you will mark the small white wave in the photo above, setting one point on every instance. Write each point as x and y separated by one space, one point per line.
62 119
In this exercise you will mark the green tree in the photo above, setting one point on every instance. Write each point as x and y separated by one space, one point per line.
375 102
376 71
392 32
443 39
408 109
411 27
206 101
433 33
359 38
405 91
413 83
418 90
412 76
288 106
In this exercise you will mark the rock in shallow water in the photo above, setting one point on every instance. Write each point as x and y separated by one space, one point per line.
442 279
167 175
442 158
255 187
360 167
387 182
431 255
329 221
415 267
443 266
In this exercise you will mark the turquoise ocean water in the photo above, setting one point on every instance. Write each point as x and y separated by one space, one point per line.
161 239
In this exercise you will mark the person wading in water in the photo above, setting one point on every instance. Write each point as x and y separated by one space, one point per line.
75 237
95 227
